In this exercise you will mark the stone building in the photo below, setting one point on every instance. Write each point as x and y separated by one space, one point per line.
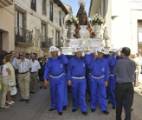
38 24
124 20
31 25
6 25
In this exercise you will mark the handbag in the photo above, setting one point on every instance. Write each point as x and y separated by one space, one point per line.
13 90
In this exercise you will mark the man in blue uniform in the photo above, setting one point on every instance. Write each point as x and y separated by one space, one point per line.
76 75
55 73
88 59
99 80
112 79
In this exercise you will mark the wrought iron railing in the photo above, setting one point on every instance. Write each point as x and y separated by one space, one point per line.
23 35
4 3
46 43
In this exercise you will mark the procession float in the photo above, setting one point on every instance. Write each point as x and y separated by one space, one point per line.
82 31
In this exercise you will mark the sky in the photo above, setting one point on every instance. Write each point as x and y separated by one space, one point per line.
75 5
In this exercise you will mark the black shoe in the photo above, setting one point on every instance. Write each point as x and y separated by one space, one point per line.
32 92
85 113
74 110
65 108
51 109
105 112
27 100
93 110
60 113
113 107
22 100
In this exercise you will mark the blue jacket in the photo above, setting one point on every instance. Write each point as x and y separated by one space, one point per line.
76 67
55 66
99 67
112 63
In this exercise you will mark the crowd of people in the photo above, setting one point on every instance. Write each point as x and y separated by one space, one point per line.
19 73
102 76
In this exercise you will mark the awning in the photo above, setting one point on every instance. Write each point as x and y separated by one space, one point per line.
5 3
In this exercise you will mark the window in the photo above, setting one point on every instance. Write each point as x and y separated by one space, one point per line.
44 7
60 18
44 31
33 5
51 11
140 31
58 42
20 23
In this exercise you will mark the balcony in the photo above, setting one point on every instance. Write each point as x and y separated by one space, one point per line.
5 3
23 37
46 43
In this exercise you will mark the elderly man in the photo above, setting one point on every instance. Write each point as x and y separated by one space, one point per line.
55 73
125 71
77 73
99 79
23 67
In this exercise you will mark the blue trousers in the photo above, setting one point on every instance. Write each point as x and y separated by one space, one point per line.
65 103
57 95
112 85
98 94
79 94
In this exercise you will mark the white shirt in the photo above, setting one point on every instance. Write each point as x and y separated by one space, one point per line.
4 70
23 65
35 66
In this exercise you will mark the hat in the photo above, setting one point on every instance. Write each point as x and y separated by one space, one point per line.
53 49
78 49
106 51
113 50
100 50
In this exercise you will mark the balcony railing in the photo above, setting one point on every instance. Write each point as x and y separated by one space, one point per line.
59 43
23 35
5 3
46 43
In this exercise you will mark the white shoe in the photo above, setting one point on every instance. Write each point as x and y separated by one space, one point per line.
10 102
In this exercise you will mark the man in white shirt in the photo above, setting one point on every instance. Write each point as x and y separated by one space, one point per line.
35 66
23 67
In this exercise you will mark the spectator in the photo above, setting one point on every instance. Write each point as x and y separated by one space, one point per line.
35 66
23 66
8 75
125 71
41 71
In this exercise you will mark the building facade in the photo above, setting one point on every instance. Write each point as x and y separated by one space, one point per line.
31 25
6 25
124 21
38 24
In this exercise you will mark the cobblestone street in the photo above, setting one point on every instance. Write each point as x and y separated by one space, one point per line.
38 107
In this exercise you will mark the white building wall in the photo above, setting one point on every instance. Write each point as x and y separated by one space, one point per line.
7 25
35 18
124 25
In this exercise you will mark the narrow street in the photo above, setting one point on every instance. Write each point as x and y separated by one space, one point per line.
38 107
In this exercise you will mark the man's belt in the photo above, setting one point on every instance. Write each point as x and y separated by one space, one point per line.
23 72
34 72
57 76
79 78
97 77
